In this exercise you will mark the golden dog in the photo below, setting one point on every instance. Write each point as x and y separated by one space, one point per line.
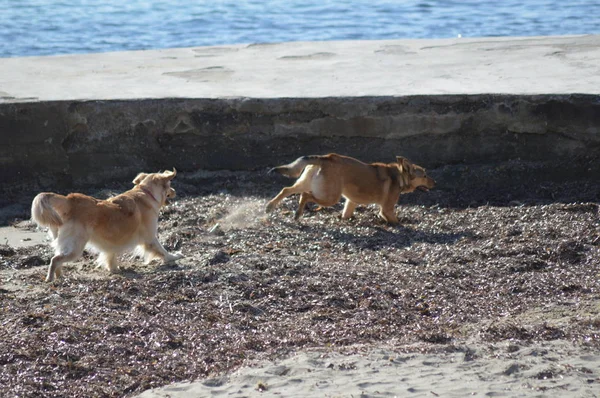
325 179
111 227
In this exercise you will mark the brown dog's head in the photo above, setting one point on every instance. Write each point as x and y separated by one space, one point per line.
157 185
417 176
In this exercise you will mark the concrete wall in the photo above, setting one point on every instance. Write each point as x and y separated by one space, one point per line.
69 144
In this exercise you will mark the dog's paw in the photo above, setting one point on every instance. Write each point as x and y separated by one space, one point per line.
270 207
169 258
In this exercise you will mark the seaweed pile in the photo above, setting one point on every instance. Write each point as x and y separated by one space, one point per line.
254 286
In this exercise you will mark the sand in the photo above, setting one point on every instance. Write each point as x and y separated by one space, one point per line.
551 369
22 234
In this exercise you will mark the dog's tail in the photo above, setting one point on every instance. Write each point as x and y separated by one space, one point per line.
44 212
295 168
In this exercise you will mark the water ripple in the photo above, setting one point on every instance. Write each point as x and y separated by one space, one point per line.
49 27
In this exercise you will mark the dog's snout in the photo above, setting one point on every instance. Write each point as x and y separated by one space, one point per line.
171 193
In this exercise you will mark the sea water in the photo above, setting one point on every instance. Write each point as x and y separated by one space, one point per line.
50 27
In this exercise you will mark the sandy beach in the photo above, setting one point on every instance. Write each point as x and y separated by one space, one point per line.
488 287
512 369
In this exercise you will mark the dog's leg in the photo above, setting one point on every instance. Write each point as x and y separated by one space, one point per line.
69 244
109 261
301 185
349 207
55 263
387 208
389 215
285 192
308 197
304 199
155 249
58 271
55 269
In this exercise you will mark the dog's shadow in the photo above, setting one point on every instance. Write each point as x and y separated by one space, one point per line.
386 237
134 272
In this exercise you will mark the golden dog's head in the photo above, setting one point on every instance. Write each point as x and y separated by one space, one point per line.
417 176
157 185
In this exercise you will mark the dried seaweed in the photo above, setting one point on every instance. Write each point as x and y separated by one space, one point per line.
255 286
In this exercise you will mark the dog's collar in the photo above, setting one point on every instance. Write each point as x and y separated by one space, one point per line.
403 181
147 192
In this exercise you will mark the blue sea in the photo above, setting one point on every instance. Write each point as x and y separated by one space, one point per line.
50 27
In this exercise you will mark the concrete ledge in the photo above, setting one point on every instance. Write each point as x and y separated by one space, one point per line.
513 65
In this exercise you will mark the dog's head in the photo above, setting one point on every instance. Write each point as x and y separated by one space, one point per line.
157 185
417 176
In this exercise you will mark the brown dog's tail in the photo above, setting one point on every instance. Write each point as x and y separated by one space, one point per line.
43 209
296 168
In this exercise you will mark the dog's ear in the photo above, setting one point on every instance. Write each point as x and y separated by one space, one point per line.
404 164
140 177
170 174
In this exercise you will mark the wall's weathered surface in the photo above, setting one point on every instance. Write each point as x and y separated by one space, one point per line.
68 144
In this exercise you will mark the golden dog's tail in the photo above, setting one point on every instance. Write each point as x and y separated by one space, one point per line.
43 210
295 168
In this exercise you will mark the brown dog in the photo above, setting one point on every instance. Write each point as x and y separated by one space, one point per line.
111 227
325 179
